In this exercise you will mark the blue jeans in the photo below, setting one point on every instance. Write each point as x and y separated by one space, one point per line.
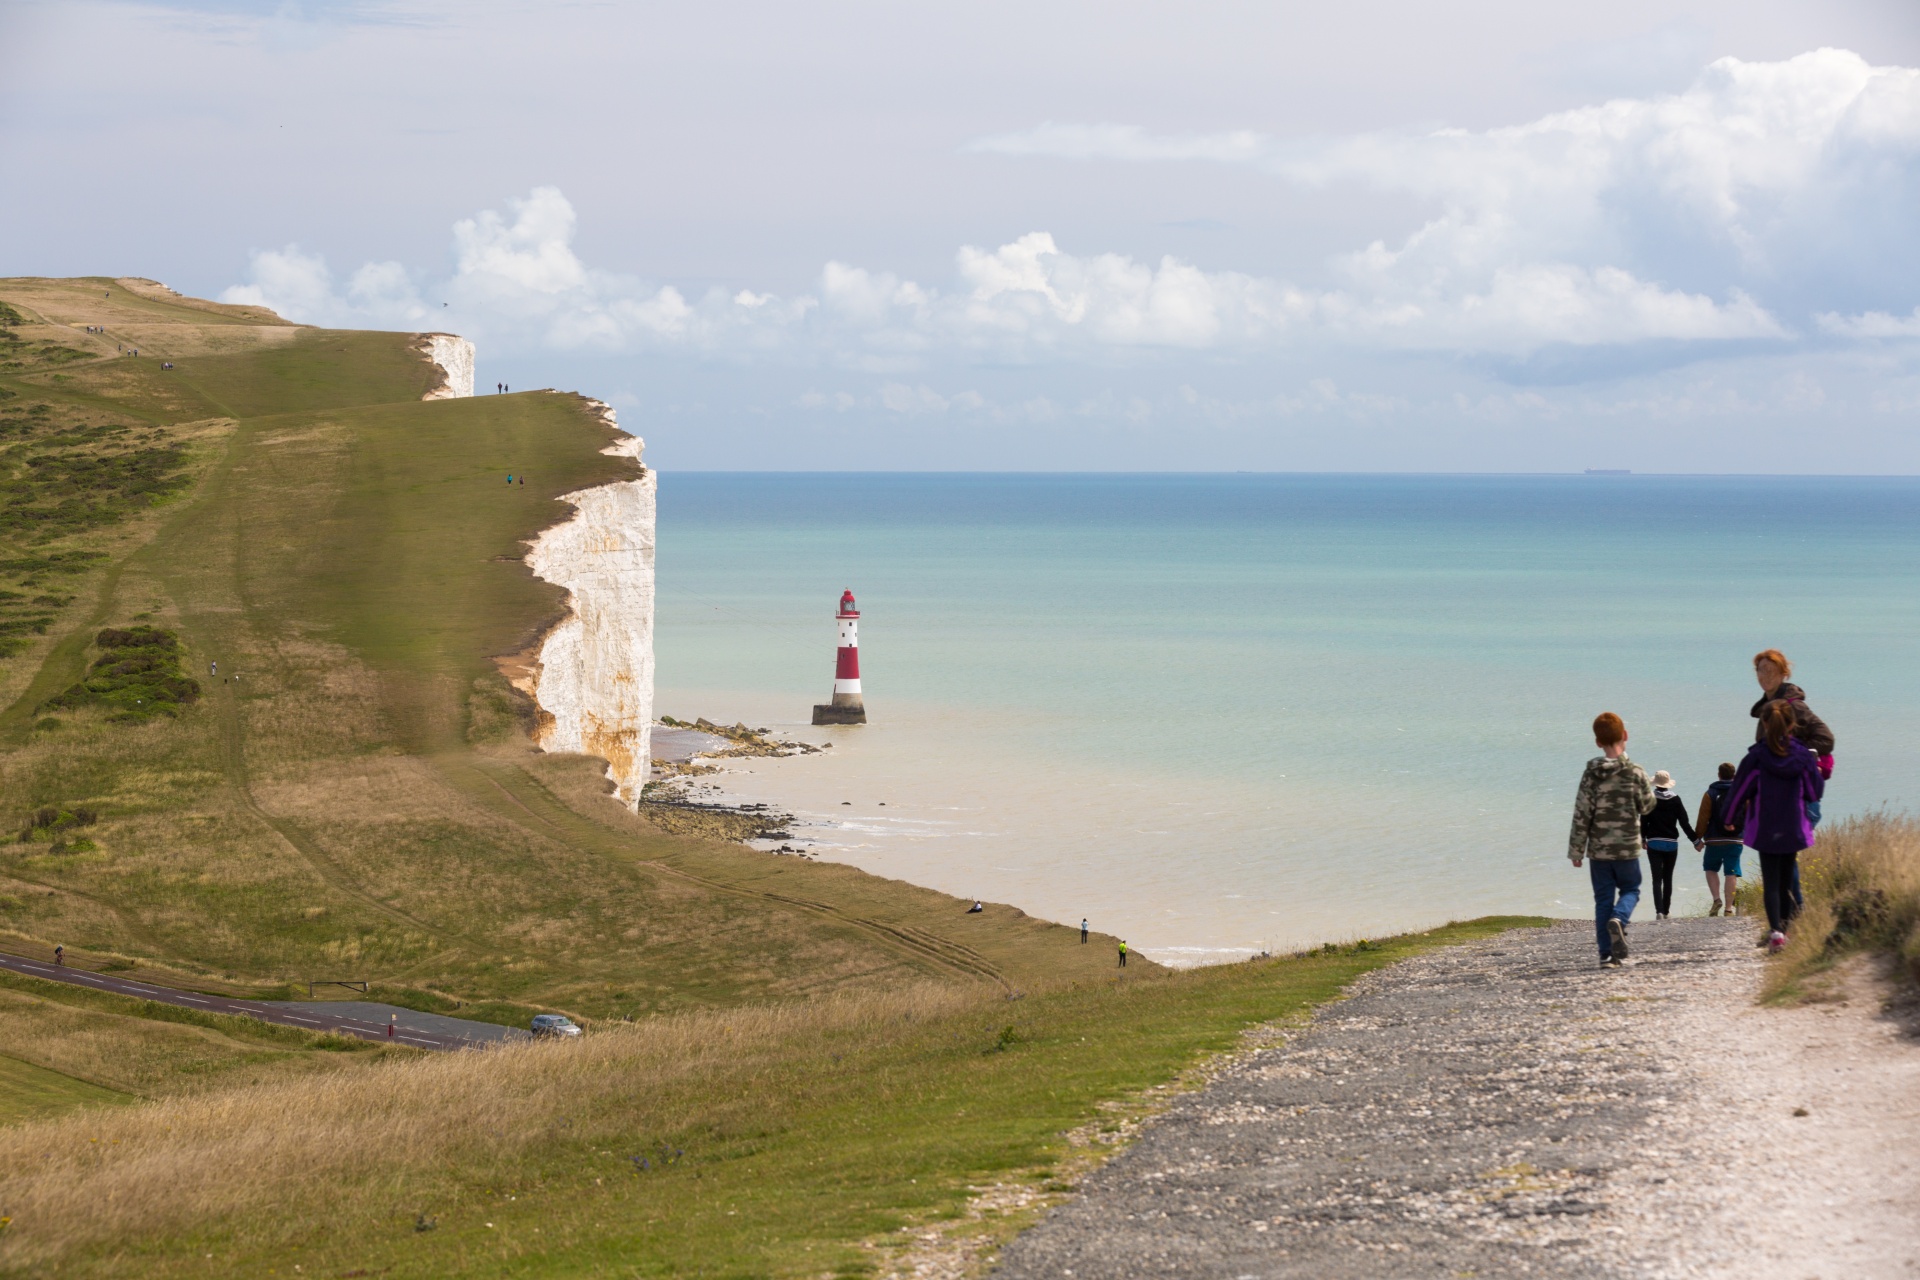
1616 892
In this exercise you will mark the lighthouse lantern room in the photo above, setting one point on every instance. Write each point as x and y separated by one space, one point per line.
846 707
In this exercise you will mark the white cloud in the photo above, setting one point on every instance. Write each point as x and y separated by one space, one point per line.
518 282
1871 324
1701 214
299 285
1703 217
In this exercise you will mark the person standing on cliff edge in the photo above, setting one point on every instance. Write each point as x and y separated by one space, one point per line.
1614 794
1123 953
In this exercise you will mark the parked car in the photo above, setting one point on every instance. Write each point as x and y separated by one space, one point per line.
554 1024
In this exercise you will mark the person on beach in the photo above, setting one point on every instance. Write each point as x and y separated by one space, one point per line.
1614 793
1123 953
1772 790
1660 832
1722 839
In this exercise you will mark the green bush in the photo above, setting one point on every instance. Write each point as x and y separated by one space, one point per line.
137 676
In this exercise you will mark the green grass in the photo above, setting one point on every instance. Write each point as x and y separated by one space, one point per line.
28 1092
352 796
778 1142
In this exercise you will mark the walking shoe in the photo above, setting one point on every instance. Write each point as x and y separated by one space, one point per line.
1777 943
1661 916
1732 911
1714 910
1609 962
1617 935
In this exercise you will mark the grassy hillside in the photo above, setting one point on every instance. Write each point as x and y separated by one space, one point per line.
816 1056
793 1140
353 796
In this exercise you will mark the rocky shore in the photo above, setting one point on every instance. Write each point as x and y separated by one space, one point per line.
685 750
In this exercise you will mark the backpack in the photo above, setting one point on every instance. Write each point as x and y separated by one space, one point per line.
1719 821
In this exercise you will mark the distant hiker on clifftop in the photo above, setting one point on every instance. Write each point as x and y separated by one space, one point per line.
1123 953
1772 790
1722 839
1083 931
1660 832
1613 794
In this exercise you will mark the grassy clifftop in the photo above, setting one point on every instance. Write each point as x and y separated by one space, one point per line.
352 794
817 1058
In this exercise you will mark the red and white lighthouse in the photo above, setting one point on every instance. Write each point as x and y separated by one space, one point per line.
846 707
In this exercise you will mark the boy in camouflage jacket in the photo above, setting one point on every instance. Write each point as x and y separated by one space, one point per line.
1614 792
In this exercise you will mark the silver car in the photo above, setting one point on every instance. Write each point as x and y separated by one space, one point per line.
554 1024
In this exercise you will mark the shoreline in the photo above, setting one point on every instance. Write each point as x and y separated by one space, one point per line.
699 785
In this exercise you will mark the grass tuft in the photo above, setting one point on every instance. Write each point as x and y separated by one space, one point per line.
1862 885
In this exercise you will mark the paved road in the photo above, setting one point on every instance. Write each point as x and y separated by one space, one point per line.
1503 1108
367 1020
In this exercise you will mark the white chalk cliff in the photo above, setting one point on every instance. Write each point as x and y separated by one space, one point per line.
454 355
593 677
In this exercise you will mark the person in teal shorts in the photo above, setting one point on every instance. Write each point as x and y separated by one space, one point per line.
1722 855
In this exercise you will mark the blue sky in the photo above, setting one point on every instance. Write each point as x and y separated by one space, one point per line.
1479 236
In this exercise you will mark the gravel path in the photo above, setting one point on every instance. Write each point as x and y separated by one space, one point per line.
1506 1108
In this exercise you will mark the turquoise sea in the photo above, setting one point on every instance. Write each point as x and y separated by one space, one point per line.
1214 713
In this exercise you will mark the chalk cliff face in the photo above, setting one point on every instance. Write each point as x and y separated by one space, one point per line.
593 677
454 355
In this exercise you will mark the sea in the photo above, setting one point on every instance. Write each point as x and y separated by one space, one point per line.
1222 714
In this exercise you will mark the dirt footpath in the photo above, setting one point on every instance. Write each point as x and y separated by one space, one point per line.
1506 1108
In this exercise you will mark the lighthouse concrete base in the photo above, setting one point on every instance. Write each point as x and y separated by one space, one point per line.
835 714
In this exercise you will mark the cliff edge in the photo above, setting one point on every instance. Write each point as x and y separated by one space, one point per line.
454 355
592 678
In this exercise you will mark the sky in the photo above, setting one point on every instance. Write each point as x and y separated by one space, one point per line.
1381 235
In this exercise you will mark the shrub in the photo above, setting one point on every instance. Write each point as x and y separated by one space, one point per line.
137 675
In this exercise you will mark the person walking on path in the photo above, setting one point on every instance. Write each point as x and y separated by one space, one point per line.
1083 931
1660 830
1772 789
1722 839
59 957
1123 953
1772 670
1614 793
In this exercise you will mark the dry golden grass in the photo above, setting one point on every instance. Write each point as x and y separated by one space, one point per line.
1862 885
766 1140
145 1057
336 1145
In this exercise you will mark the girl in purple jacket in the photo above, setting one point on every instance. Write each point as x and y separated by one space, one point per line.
1771 791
